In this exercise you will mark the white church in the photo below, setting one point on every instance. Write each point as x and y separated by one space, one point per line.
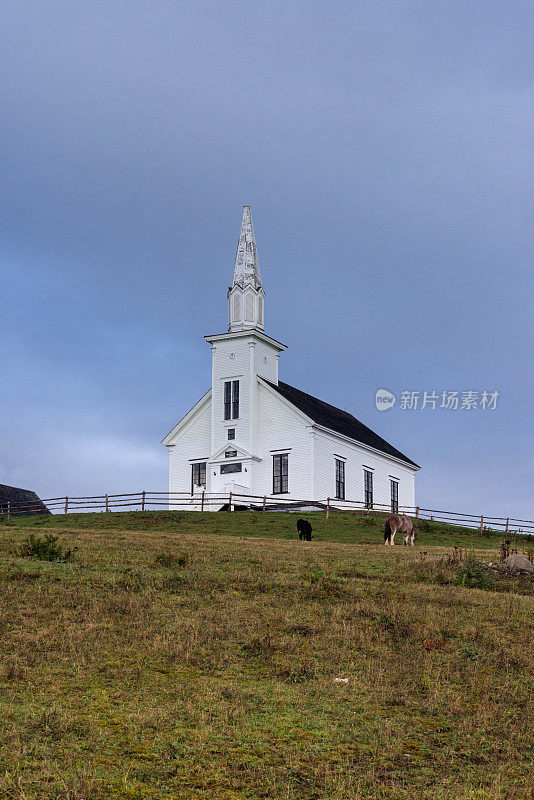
252 434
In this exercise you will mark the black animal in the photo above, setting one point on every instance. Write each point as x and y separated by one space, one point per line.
304 530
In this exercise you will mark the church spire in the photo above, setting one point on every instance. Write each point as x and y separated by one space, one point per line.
247 268
246 295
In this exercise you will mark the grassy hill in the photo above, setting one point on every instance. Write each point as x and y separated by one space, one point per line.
195 656
347 527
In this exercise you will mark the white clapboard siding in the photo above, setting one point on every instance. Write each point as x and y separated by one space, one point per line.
328 447
282 430
192 443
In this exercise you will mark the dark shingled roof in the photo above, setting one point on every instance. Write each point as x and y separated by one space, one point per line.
21 501
337 420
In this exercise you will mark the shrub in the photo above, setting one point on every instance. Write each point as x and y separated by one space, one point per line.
46 548
168 559
323 586
299 673
473 575
259 646
173 583
131 580
424 525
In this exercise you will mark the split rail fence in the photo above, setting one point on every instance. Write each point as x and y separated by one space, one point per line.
209 501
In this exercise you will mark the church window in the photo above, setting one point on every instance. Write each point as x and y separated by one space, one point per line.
228 399
231 400
260 310
340 479
368 488
280 473
394 496
231 433
226 468
235 399
198 475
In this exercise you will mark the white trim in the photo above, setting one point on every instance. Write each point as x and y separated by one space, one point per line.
285 402
221 337
357 443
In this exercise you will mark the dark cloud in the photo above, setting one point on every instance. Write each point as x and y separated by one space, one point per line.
386 151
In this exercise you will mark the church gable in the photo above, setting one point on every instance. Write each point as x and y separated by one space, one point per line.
275 408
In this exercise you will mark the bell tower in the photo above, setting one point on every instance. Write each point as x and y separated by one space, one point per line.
246 296
239 358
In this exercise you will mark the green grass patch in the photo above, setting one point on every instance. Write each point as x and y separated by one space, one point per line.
349 527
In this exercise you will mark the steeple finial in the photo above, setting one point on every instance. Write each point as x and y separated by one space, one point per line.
246 295
247 268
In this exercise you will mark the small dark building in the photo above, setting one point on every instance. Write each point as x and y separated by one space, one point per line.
20 502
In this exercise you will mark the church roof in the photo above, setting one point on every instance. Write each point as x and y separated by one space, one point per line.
337 420
247 267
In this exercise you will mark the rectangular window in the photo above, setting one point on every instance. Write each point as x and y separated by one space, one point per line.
235 399
368 488
198 475
225 468
228 399
394 496
280 471
231 433
340 479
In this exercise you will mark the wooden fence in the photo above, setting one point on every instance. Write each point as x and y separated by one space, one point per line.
210 501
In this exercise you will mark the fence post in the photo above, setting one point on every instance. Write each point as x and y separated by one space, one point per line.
264 501
107 504
327 507
230 502
202 501
143 501
8 510
66 504
417 512
507 523
481 523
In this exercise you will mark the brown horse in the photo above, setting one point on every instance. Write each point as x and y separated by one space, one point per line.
402 524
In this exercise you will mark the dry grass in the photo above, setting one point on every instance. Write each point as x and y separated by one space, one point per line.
183 665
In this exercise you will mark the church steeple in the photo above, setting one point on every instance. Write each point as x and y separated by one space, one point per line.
246 295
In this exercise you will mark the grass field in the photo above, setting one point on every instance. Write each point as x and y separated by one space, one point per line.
195 656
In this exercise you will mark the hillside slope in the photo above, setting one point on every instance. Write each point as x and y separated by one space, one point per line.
176 663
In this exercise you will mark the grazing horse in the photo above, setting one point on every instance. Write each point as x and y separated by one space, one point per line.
402 524
304 530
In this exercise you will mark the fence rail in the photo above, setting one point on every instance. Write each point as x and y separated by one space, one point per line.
211 501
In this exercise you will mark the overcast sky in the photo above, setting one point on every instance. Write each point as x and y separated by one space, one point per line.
386 149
